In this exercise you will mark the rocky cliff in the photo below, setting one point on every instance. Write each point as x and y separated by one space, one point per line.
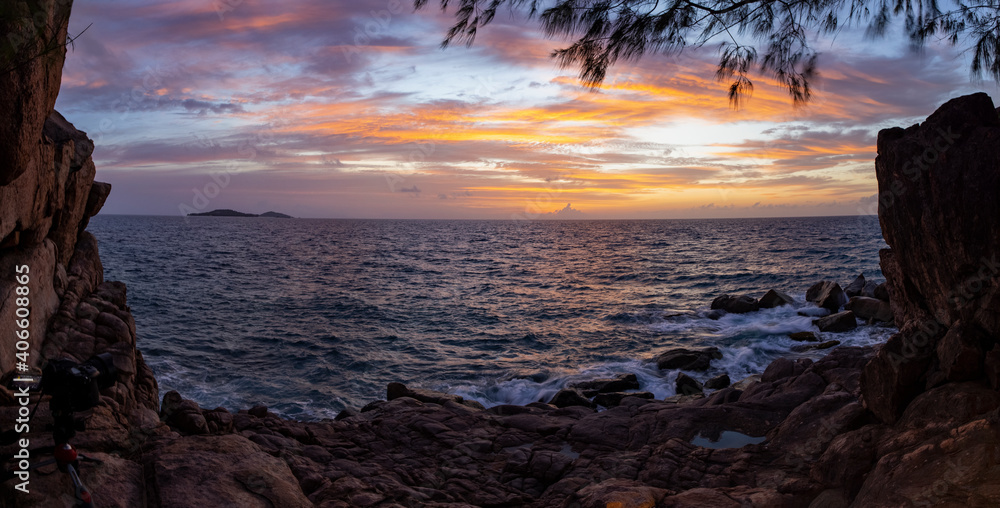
938 207
915 423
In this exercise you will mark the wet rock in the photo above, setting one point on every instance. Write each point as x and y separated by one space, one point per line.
869 289
803 337
688 359
397 390
620 383
881 292
373 405
774 298
718 382
827 294
744 383
779 369
715 314
346 413
569 397
687 385
839 322
724 396
737 304
870 309
815 347
682 400
857 287
615 398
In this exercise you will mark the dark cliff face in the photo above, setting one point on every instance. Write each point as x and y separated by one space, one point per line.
939 183
31 62
47 196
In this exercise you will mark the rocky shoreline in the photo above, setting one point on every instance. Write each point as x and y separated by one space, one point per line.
915 422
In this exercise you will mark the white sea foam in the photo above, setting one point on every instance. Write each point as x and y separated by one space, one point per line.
748 343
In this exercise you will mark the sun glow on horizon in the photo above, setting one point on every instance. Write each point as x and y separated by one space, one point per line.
309 113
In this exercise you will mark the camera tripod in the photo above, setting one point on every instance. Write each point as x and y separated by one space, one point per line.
65 457
73 387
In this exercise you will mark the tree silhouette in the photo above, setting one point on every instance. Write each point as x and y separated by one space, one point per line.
608 31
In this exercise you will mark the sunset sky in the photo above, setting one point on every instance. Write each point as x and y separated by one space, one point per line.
330 108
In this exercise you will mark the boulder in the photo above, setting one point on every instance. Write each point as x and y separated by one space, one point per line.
881 291
803 337
827 294
346 413
182 414
568 397
687 385
718 382
239 472
688 359
774 298
869 289
715 314
397 390
839 322
615 398
870 309
620 383
737 304
857 287
220 420
802 348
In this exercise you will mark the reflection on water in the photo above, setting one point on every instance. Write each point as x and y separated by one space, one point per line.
727 439
311 316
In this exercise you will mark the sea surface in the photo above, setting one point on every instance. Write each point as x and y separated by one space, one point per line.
309 316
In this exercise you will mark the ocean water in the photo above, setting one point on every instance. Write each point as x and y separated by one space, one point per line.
310 316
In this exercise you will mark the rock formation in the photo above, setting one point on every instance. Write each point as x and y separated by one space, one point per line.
938 183
914 423
737 304
827 294
774 298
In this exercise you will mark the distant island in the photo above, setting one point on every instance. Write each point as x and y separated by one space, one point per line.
225 212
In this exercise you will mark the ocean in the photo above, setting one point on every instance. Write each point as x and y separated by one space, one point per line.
310 316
